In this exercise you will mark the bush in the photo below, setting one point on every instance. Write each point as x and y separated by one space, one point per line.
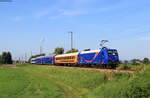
124 66
139 85
145 60
127 85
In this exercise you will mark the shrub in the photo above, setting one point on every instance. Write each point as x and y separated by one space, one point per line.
145 60
124 66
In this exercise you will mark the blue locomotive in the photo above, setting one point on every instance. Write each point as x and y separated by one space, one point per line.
102 57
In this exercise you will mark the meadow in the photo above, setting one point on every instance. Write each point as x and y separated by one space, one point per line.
32 81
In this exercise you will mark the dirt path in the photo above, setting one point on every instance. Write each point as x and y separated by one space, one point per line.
69 91
8 66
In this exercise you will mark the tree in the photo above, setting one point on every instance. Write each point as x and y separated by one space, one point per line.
72 51
145 60
9 58
6 58
0 59
59 50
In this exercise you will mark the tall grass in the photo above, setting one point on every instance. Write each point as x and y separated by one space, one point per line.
15 83
28 81
135 85
137 67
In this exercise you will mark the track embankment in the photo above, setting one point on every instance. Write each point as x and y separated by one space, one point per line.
8 66
97 69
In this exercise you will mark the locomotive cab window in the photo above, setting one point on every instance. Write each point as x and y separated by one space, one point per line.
112 53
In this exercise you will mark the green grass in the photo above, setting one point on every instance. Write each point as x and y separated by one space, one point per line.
28 81
137 67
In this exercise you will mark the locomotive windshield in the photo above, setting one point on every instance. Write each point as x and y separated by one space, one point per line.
112 53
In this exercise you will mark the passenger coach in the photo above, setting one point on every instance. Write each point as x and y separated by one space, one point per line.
70 58
44 60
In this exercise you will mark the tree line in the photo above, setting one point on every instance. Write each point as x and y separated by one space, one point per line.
136 61
6 58
60 50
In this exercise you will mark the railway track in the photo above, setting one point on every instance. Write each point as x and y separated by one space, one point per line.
88 68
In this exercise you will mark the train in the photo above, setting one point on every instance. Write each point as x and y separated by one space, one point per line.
104 57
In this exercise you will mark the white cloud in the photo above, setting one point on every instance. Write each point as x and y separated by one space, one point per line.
67 13
60 10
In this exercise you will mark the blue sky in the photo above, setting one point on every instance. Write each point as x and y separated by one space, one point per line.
125 23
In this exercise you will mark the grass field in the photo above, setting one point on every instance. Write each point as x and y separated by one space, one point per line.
26 81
